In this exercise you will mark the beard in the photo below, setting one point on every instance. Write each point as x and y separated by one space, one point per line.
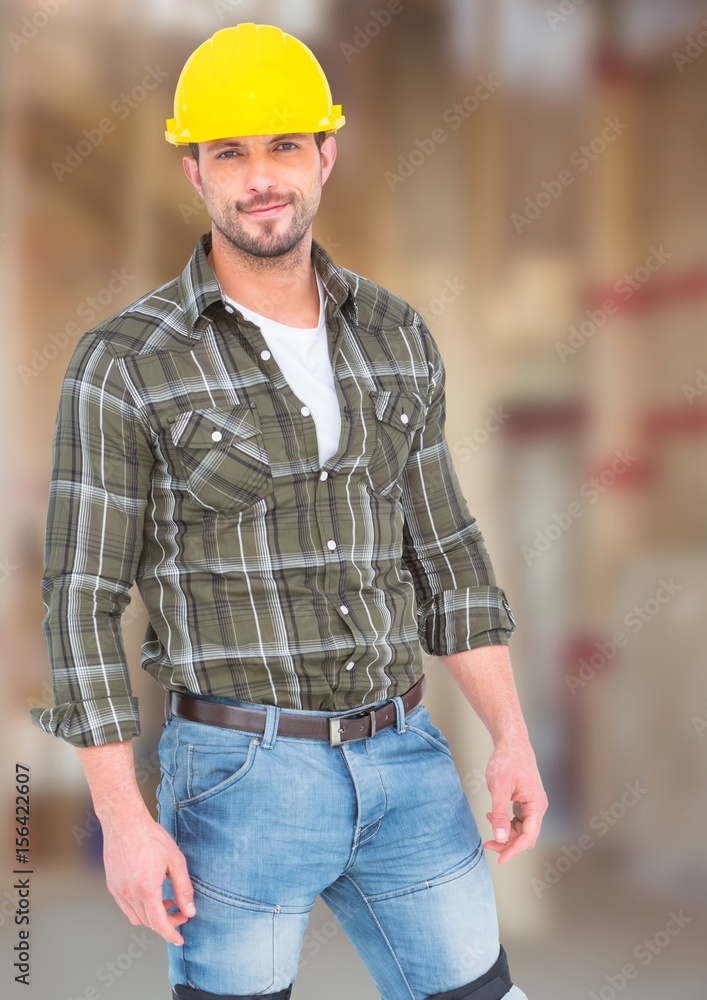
273 238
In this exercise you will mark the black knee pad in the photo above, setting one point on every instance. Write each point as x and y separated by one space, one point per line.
492 985
188 993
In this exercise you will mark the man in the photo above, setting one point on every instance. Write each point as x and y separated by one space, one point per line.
259 443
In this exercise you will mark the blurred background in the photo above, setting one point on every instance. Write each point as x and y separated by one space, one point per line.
530 177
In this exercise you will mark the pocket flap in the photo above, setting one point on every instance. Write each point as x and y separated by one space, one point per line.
405 410
210 426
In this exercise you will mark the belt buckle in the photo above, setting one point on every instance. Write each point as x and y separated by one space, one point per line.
334 734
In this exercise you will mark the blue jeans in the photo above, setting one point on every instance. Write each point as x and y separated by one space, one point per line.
380 827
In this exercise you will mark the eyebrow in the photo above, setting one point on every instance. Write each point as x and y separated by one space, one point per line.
276 138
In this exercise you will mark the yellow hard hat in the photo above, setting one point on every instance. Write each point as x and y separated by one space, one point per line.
251 79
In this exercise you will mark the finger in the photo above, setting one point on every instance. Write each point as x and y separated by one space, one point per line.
153 921
501 827
181 883
501 846
522 843
528 835
159 921
139 908
176 919
128 911
498 817
532 822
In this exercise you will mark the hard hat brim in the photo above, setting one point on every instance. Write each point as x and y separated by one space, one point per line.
228 130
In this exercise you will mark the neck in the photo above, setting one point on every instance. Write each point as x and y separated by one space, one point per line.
282 288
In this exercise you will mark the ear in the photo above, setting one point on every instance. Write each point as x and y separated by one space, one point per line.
328 156
191 169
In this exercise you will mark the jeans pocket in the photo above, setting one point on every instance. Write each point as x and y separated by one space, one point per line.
424 727
208 770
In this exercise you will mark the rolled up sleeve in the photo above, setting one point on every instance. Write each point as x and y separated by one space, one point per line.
459 605
101 469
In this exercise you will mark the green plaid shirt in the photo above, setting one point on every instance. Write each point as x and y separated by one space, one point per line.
183 461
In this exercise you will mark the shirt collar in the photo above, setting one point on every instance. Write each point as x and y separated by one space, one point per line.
201 294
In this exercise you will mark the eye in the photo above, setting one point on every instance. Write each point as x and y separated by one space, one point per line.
226 152
293 145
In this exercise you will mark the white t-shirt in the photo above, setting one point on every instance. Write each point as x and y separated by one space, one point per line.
303 356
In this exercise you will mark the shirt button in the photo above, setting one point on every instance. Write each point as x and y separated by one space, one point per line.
343 609
216 435
265 355
404 417
331 543
350 666
305 411
324 474
229 309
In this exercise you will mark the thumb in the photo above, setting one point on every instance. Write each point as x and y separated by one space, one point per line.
499 815
181 883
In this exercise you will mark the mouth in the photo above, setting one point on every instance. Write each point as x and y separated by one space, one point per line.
269 210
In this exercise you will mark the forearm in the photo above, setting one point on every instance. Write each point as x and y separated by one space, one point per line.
110 772
485 676
138 853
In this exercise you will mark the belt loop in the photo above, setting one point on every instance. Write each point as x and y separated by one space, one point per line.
400 713
270 734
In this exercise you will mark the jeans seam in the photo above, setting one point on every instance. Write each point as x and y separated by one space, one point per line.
382 932
450 875
367 743
432 740
354 843
245 902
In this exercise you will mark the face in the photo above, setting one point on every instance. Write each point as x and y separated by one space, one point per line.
262 192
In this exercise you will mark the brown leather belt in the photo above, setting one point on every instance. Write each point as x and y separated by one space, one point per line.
335 728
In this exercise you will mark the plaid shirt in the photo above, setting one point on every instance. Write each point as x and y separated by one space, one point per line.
184 461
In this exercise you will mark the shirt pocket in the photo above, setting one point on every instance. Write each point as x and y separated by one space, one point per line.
398 415
222 456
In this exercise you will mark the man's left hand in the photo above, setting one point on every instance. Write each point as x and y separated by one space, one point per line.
512 776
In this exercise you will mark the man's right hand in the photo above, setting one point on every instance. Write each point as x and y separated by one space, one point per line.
138 854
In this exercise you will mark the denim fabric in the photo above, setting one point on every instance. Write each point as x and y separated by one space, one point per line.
379 827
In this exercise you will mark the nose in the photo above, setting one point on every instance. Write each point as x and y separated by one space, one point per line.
261 174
